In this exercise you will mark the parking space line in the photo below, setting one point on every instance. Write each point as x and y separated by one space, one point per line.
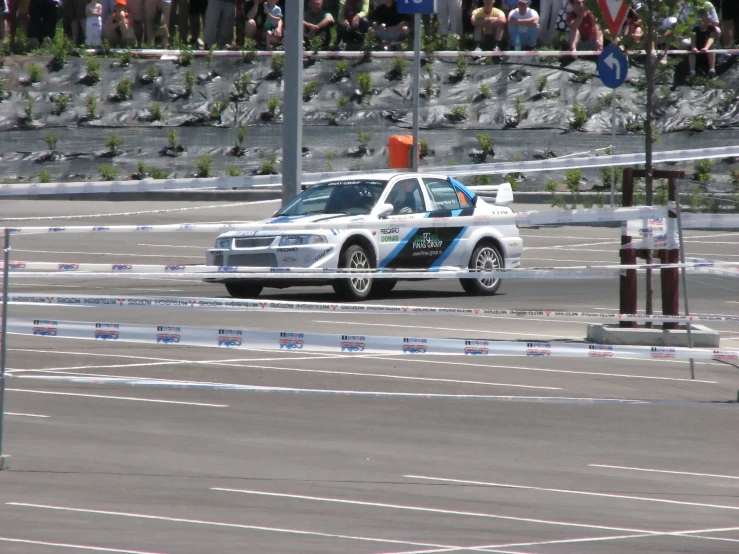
77 546
24 415
665 471
136 255
226 525
547 370
131 398
571 491
430 510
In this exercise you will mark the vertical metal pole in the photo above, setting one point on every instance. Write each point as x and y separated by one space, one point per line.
613 149
416 86
4 337
683 276
627 280
292 125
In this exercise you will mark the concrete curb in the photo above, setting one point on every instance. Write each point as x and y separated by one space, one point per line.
4 462
702 336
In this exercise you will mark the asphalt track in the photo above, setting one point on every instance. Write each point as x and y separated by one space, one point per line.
511 454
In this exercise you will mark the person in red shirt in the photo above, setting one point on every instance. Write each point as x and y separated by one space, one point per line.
583 33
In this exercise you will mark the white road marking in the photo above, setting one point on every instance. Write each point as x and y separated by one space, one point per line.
134 399
665 471
410 325
430 510
224 525
102 253
25 415
76 546
568 491
592 373
172 245
483 547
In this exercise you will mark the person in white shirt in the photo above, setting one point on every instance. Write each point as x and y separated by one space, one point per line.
523 26
94 24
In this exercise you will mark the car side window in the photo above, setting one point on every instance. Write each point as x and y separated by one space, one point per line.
443 194
406 197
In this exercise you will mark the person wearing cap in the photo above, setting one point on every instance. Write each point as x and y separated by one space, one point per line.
523 26
584 33
118 29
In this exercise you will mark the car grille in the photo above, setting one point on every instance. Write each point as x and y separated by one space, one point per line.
252 260
254 242
218 260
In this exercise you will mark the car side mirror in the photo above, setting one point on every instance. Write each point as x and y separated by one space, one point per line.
385 210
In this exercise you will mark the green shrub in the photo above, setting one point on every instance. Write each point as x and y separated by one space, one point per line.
113 142
342 101
341 71
330 160
172 141
272 105
310 89
398 70
28 109
156 111
698 125
204 166
702 171
125 58
92 107
484 91
315 44
241 137
579 116
278 63
241 85
520 110
152 73
424 148
93 71
156 173
541 84
61 101
123 89
108 172
364 83
189 81
219 107
249 53
44 176
269 167
458 113
486 143
51 141
461 64
363 138
34 72
186 55
233 171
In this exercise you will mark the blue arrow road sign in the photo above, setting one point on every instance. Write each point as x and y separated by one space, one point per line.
613 66
416 6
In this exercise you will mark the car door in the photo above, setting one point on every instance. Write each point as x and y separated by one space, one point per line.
447 201
395 243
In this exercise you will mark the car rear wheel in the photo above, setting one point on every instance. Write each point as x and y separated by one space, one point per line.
354 258
485 257
244 289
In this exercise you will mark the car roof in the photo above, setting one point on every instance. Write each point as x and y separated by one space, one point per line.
379 176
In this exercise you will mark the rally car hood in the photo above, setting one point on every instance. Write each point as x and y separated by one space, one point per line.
339 219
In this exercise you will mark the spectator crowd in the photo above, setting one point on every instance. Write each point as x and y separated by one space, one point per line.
480 24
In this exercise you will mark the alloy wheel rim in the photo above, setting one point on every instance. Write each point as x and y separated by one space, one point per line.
487 260
359 262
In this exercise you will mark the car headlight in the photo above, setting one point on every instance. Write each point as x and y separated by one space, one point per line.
223 243
294 240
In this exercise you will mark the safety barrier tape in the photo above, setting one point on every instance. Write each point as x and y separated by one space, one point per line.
710 221
118 268
287 340
342 54
237 183
591 215
279 306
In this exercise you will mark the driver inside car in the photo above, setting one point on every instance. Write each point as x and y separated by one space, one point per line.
406 198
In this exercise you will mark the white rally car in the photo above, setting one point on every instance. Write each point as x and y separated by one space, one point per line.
384 197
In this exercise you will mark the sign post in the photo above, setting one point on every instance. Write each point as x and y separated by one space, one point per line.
613 67
4 460
416 7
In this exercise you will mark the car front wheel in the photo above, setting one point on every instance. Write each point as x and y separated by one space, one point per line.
354 258
244 289
485 257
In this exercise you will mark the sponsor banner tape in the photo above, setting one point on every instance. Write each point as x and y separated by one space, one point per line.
200 303
288 340
55 268
710 221
554 217
235 183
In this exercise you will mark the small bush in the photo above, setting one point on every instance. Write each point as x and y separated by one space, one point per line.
272 105
363 138
44 176
152 73
520 110
172 141
241 137
61 101
156 173
108 172
209 55
486 143
458 113
734 176
315 44
249 53
364 83
400 66
233 171
123 89
330 160
204 166
698 125
551 185
269 167
541 84
190 81
278 63
368 43
28 109
156 111
113 142
484 91
125 58
341 71
702 171
218 108
93 71
310 90
461 64
579 116
424 149
34 72
51 141
635 127
92 107
342 101
241 85
186 56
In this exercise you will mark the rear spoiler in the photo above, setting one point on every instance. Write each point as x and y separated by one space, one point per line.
503 193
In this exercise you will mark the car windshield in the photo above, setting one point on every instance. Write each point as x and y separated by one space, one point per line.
356 197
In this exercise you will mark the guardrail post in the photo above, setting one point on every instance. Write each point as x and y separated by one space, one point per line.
627 292
670 277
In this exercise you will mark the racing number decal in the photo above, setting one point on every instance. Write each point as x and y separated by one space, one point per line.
424 247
